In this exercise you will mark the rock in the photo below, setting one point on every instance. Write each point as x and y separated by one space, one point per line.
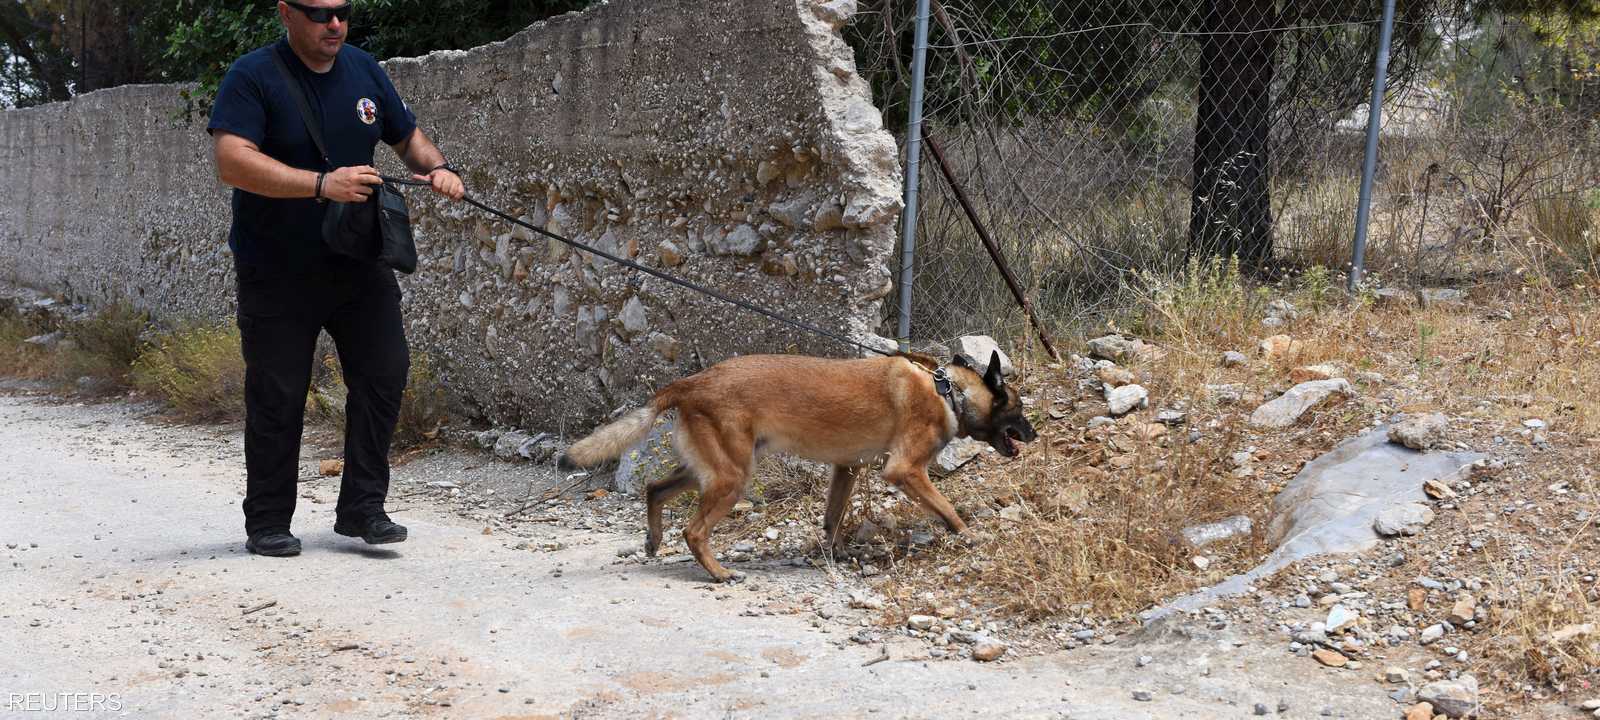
1119 349
742 240
539 448
1571 632
1149 431
836 13
1201 562
1261 709
1233 358
1171 417
1406 519
1438 490
1420 432
1591 704
1282 309
1226 394
1397 676
1330 658
1457 698
664 345
1431 635
988 651
1314 372
1115 376
1533 424
1286 409
1417 599
1197 536
979 348
1126 399
634 320
795 212
865 601
506 446
1420 711
486 439
1280 347
330 468
47 340
957 453
921 622
1341 617
1110 347
647 462
671 255
1464 609
1143 695
1393 297
1440 297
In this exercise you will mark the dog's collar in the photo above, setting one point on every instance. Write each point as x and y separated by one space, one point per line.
947 390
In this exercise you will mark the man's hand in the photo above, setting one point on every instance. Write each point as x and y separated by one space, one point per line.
350 184
444 182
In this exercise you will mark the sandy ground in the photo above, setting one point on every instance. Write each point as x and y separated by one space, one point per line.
125 575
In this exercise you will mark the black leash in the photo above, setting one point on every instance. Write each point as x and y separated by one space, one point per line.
656 273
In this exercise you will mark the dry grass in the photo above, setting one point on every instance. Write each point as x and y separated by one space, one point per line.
19 359
198 370
422 408
100 348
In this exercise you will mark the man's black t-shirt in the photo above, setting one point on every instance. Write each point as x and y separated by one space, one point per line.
357 106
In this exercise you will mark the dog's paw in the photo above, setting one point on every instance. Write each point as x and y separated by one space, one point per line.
734 577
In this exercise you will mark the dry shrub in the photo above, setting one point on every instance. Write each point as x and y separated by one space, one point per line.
423 407
103 347
198 370
17 358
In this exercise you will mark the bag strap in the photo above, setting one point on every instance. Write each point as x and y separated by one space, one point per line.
305 108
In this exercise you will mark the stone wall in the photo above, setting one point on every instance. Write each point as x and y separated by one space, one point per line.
726 141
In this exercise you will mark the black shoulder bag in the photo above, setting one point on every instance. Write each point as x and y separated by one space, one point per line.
377 229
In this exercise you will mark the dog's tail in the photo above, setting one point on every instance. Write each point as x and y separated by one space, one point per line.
610 441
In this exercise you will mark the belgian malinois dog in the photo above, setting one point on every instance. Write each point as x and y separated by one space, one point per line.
843 412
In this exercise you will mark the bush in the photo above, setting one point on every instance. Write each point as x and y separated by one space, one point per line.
199 370
422 407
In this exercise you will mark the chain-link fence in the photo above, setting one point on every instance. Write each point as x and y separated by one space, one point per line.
1098 140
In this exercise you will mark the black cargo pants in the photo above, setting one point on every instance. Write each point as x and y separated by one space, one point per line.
279 321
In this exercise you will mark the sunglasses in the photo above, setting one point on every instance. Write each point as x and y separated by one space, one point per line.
321 15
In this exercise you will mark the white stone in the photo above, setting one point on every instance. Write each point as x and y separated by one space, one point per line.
979 348
1286 409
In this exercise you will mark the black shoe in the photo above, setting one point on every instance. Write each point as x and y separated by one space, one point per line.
273 543
375 529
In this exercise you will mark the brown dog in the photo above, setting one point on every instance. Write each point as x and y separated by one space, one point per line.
843 412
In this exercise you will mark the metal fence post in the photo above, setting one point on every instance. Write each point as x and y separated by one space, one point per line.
1369 167
908 218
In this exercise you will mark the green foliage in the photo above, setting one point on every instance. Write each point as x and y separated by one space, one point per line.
206 36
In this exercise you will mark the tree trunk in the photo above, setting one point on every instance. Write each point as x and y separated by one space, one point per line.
1230 208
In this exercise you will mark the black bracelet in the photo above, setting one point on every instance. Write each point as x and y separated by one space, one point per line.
444 166
320 177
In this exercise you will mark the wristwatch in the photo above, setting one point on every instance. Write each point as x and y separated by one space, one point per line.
444 166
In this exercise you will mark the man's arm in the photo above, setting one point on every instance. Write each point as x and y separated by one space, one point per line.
423 157
241 164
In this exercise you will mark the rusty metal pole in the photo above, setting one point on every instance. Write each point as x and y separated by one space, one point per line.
990 245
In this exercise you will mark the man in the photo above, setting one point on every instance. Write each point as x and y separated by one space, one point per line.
290 286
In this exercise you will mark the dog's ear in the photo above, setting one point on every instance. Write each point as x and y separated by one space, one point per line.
992 378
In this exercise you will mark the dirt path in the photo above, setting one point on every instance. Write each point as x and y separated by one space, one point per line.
124 573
